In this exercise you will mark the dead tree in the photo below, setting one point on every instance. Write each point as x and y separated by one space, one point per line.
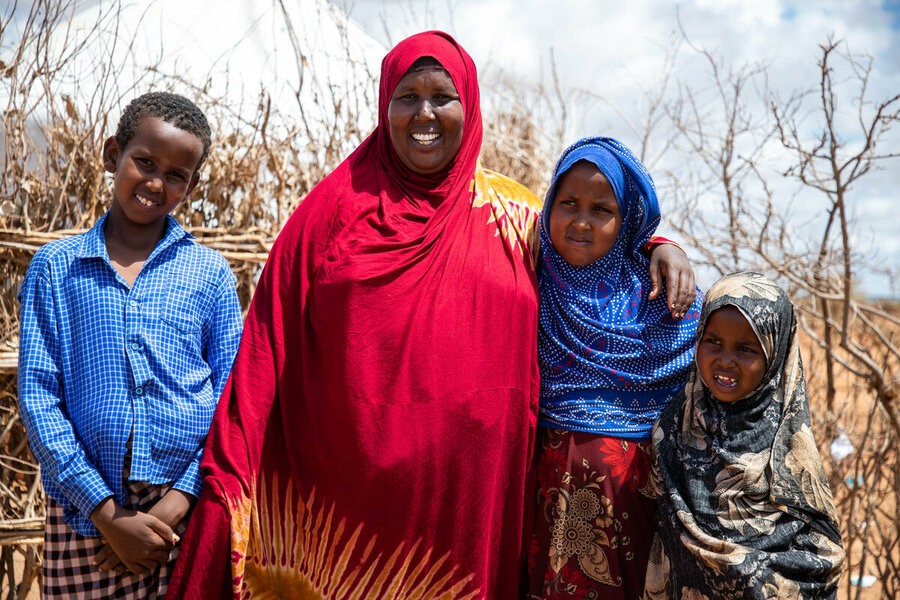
740 210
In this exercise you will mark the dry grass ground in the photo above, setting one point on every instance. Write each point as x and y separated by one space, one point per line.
864 483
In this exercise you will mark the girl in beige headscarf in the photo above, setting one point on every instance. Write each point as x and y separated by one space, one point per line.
745 508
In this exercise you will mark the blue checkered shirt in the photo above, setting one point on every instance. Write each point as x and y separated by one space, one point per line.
100 363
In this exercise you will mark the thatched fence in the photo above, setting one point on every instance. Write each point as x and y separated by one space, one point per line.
265 158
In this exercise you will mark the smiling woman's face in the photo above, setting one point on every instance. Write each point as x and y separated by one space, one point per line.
426 118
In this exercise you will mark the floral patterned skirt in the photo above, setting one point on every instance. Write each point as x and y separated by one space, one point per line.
595 517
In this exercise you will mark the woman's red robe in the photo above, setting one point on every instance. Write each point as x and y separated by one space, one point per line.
374 440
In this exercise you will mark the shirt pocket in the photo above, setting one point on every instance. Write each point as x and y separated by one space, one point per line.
186 306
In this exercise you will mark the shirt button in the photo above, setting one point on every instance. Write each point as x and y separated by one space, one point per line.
138 391
132 302
135 346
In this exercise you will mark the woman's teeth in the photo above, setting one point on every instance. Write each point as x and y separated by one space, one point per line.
425 138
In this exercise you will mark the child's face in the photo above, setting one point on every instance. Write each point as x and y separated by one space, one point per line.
155 171
729 356
585 218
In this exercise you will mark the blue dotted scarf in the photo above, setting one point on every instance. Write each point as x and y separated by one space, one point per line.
610 358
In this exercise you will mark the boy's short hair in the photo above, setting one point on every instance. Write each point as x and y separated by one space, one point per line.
171 108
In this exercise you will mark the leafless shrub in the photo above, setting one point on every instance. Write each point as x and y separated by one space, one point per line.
53 184
730 203
515 140
264 160
731 212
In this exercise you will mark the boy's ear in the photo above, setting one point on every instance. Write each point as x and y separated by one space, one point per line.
195 179
110 154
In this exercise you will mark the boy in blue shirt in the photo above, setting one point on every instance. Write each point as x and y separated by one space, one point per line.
128 333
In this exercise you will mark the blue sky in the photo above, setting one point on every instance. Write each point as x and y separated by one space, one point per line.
615 50
892 7
607 55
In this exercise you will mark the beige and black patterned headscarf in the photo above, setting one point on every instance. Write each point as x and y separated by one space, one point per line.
745 508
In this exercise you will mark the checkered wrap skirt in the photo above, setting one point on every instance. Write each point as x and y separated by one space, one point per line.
68 556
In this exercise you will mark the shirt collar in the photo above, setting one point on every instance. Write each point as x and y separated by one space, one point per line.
174 233
93 243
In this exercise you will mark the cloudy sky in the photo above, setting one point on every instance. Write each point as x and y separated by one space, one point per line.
607 56
616 50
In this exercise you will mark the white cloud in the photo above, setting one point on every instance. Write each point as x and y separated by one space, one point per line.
614 50
617 50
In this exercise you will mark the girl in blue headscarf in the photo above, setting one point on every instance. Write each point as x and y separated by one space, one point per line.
610 359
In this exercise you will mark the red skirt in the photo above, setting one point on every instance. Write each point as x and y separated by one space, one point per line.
595 517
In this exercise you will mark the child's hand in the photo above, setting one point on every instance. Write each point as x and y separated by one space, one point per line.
172 507
140 540
108 560
670 262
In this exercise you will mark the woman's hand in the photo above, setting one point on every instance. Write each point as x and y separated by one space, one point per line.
139 540
670 262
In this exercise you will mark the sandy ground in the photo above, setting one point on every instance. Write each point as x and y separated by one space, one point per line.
871 593
856 412
33 594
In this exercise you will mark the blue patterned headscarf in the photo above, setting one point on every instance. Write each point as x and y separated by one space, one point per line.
610 358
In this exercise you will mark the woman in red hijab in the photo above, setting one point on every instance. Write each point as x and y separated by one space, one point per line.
375 435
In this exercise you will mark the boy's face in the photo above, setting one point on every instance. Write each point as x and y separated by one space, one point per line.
155 171
729 357
585 218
